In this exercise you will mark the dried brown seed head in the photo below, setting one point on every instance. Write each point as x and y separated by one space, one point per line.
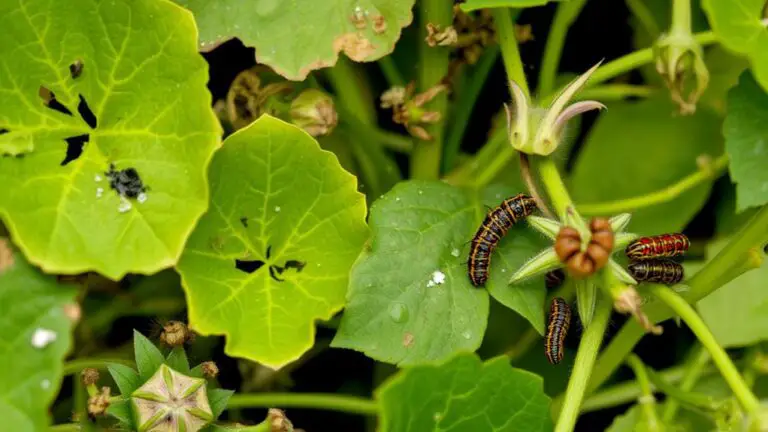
210 370
176 333
567 243
89 376
436 37
278 422
99 403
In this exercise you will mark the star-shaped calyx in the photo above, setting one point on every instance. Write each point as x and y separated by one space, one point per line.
171 402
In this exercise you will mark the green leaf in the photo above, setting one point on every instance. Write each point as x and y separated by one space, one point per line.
638 148
127 379
745 294
177 360
274 190
746 140
296 37
627 422
35 335
410 299
145 82
740 26
148 356
218 399
471 5
464 394
122 411
519 245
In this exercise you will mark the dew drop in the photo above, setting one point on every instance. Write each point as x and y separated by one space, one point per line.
97 178
437 416
503 270
142 198
397 199
455 252
398 312
45 384
42 337
277 209
421 191
467 334
124 206
99 192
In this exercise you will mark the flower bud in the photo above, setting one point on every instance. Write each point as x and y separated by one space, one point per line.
98 403
210 370
314 112
680 62
176 333
89 376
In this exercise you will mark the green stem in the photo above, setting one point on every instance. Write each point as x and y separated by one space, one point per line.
646 400
558 194
694 369
681 17
582 367
510 52
352 90
729 372
743 252
564 17
644 15
675 393
628 391
433 67
331 402
75 366
628 205
464 105
390 71
612 92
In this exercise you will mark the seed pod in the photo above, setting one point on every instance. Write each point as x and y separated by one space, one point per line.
656 271
580 263
660 246
601 243
557 329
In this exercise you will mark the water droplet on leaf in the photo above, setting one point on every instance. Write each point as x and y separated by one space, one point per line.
398 312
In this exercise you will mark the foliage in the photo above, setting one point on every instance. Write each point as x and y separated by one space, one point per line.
301 230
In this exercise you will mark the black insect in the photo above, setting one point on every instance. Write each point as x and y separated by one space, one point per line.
126 182
76 68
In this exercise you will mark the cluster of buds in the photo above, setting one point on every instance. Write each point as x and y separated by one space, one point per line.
680 62
584 258
408 109
540 131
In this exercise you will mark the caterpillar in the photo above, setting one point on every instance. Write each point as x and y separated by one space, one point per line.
557 329
664 245
656 271
495 226
554 278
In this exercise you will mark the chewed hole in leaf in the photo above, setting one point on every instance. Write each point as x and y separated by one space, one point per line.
248 266
75 146
244 221
49 99
86 113
4 131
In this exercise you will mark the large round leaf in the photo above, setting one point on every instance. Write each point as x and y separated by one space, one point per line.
145 84
464 394
410 299
273 252
638 148
296 37
35 334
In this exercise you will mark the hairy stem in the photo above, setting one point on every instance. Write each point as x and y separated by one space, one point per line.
564 17
743 394
77 365
558 194
582 368
697 362
628 205
743 252
646 400
433 67
331 402
510 52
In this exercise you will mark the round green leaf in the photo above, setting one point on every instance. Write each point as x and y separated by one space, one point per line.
293 219
299 36
740 27
464 394
145 83
638 148
410 299
35 335
746 140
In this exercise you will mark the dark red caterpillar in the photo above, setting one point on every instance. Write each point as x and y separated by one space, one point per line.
656 271
557 329
495 226
660 246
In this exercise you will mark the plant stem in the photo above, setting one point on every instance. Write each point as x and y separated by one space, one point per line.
628 205
433 67
697 362
558 194
463 106
510 52
743 252
611 92
390 71
75 366
731 375
331 402
564 17
674 393
646 400
681 17
352 91
582 368
643 14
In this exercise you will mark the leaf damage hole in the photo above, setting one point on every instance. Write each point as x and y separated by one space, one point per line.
244 222
248 266
86 113
76 68
4 131
75 146
49 100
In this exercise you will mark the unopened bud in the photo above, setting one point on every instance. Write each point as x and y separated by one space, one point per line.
314 111
629 301
89 376
278 422
170 400
210 370
680 62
